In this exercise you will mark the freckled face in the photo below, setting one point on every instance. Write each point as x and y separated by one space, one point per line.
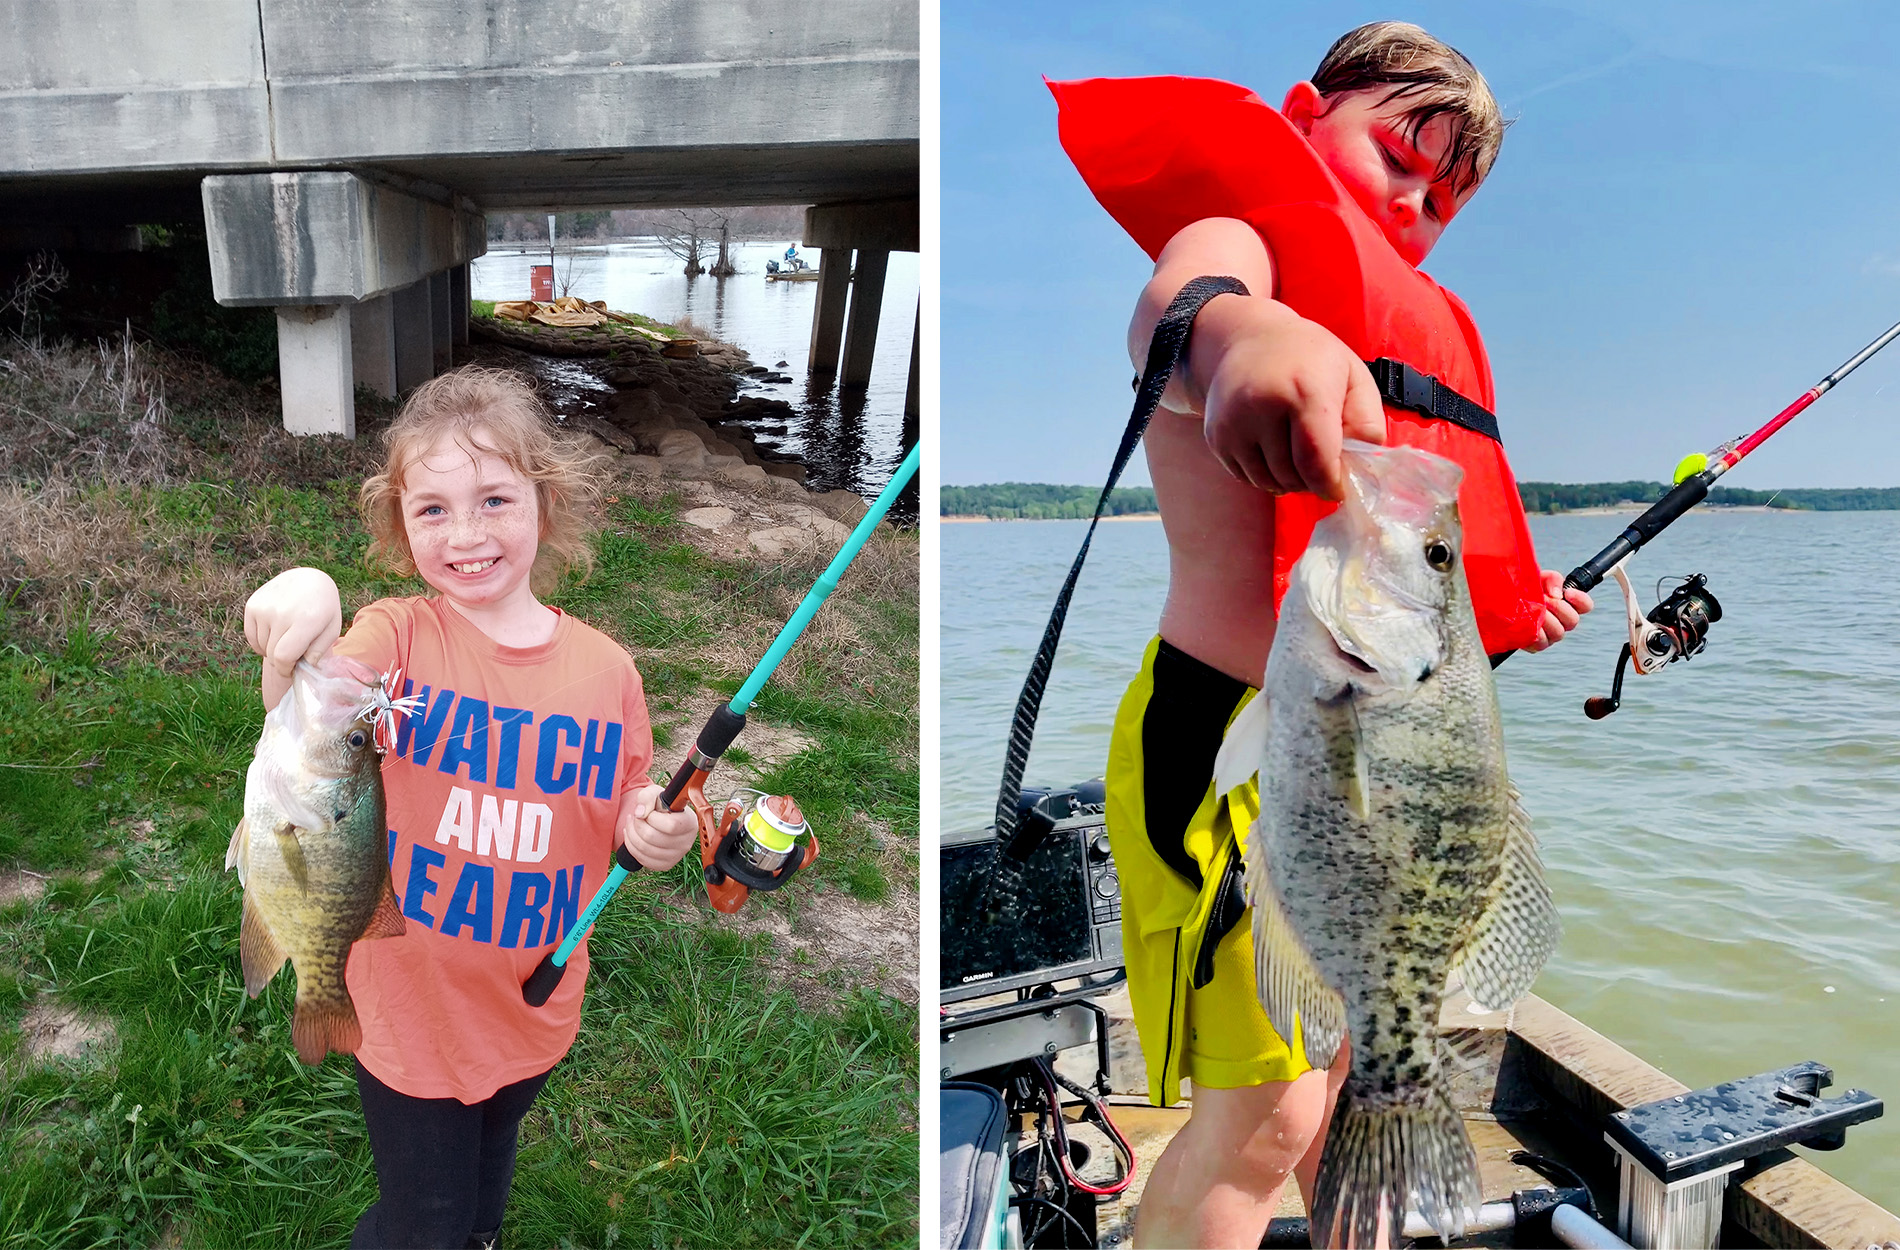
1389 171
473 524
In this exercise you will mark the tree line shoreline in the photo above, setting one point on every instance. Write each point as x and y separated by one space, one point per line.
1043 501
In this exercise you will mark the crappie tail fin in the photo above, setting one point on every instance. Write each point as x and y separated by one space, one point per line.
323 1025
1381 1161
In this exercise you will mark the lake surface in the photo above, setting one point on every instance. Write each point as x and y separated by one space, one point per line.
849 440
1725 849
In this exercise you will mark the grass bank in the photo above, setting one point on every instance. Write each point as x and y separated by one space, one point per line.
705 1103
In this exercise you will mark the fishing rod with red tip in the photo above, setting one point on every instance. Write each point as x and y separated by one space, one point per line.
1693 479
1695 475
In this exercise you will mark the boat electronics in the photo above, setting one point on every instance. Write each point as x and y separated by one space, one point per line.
1055 915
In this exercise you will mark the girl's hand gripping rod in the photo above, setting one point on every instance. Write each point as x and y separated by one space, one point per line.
721 728
1692 488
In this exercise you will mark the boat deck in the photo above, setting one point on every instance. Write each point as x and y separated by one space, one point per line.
1533 1079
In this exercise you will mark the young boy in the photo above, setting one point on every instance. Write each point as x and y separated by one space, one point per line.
1323 210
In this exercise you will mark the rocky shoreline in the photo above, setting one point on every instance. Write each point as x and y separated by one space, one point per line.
680 418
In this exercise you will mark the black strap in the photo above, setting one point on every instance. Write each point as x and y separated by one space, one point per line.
1402 386
1229 905
1164 352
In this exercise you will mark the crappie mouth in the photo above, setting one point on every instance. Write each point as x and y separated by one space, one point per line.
1381 571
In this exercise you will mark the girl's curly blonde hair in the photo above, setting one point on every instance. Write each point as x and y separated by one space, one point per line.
494 411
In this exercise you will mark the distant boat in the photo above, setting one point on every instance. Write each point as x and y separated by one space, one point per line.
774 274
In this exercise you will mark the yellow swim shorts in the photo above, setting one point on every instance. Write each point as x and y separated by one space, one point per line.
1166 733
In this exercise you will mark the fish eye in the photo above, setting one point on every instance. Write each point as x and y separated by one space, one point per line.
357 739
1438 554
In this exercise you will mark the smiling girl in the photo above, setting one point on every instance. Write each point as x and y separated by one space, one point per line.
507 790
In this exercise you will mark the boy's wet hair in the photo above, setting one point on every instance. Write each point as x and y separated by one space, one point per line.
495 411
1433 78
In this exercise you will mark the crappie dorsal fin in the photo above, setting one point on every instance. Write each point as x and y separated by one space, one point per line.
1518 929
258 950
386 920
1283 970
1243 748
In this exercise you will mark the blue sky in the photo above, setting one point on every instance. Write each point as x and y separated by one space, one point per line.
1696 215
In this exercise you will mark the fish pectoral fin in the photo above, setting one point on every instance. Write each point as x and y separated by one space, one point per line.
1288 981
237 855
257 950
1518 929
386 920
1243 748
292 851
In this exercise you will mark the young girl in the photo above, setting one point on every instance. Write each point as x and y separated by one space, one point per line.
506 790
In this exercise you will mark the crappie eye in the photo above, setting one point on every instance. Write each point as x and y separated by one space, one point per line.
1439 555
357 739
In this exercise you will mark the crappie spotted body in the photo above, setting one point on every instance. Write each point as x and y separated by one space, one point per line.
310 851
1390 849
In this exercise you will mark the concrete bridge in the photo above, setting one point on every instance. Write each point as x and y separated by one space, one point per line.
343 155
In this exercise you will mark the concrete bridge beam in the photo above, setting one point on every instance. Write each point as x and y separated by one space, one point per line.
328 239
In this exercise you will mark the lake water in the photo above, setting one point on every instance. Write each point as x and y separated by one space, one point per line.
1725 849
849 440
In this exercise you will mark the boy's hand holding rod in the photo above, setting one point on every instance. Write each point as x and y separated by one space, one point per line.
720 729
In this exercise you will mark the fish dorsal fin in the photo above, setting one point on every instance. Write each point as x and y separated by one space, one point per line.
1518 928
258 950
238 854
1243 748
386 920
1288 981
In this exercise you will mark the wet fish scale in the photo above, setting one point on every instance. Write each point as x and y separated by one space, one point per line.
1390 847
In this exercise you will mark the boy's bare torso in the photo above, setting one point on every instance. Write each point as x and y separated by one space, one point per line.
1220 552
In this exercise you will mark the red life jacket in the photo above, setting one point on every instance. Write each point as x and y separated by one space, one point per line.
1163 153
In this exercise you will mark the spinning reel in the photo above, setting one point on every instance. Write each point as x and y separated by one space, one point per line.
1675 629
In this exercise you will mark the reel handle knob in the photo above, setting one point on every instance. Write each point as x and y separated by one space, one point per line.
1598 706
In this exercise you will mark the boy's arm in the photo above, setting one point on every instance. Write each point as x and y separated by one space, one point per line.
1276 392
298 613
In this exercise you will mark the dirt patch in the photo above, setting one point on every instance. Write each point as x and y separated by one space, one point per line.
18 885
52 1030
830 943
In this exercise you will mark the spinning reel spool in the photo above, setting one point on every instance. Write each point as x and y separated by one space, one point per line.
1675 629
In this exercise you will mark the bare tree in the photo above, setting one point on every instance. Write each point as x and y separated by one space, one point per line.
683 234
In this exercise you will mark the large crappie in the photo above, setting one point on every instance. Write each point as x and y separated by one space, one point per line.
1390 849
312 849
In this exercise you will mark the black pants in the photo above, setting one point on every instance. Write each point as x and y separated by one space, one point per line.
443 1167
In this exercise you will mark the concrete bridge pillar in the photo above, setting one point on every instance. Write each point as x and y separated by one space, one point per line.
873 230
458 306
867 301
309 244
313 361
916 336
827 319
373 345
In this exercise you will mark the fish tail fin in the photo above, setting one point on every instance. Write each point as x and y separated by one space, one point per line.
1380 1161
321 1025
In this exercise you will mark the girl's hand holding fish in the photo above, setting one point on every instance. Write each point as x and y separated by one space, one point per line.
658 838
293 616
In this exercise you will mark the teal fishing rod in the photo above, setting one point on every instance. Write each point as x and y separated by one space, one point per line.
728 876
